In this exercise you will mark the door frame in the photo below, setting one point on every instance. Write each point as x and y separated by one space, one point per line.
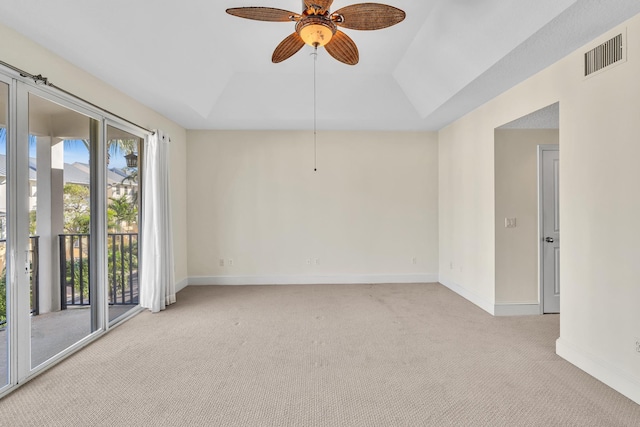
541 149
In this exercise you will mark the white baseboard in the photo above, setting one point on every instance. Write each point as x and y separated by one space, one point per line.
516 309
182 284
487 306
312 280
617 379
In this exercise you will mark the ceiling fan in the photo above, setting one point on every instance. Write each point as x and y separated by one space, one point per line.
317 26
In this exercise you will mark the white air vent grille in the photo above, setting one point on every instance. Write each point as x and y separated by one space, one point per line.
604 55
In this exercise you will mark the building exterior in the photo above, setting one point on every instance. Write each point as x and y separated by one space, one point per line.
118 183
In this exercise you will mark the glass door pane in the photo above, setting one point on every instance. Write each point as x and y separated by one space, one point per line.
62 304
4 289
123 198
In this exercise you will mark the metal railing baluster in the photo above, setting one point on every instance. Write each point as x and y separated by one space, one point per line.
130 264
122 278
62 243
81 272
114 284
72 264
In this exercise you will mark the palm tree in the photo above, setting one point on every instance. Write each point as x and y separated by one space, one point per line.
123 212
116 146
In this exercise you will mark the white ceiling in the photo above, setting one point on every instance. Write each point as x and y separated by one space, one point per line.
205 69
545 118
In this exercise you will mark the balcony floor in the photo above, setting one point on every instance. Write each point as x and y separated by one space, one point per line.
53 332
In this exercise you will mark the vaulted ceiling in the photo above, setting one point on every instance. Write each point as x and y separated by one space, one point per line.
205 69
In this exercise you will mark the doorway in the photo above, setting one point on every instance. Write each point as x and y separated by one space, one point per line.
517 248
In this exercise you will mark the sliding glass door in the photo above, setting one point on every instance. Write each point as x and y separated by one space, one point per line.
70 191
124 157
64 298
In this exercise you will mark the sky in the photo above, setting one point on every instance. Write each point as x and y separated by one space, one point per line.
74 151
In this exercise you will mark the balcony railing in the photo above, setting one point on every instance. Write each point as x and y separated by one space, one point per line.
122 269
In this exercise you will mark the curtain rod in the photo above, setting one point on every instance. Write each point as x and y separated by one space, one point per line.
40 80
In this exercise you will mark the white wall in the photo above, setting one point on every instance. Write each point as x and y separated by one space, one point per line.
364 215
466 211
599 206
25 54
516 196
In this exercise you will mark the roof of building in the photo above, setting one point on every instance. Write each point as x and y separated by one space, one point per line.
74 173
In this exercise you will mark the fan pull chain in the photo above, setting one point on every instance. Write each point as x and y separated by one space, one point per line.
315 127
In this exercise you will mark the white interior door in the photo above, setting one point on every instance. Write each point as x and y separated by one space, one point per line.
550 228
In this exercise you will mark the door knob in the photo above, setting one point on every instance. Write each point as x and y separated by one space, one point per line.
549 239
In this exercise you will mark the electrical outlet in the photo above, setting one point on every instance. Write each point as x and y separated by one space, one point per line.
221 262
317 261
510 223
638 346
308 261
414 260
230 262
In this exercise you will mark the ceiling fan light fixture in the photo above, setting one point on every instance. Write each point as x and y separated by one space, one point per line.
316 31
317 26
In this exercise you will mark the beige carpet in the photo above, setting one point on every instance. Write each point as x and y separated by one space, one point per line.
330 355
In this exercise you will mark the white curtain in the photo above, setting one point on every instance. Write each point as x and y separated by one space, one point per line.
157 283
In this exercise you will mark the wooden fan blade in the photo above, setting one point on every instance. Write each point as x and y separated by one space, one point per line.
264 14
287 48
342 48
320 4
368 16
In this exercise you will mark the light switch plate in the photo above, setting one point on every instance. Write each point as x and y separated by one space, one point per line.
510 223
